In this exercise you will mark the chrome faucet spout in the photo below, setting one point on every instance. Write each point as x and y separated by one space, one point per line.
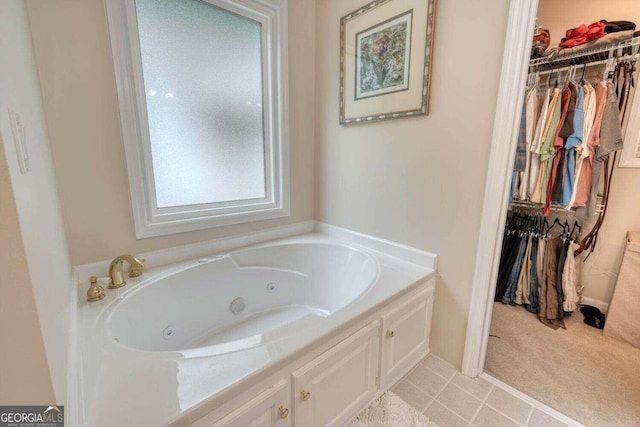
116 276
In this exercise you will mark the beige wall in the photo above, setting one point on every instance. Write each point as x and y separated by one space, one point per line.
24 376
73 54
419 181
35 193
600 272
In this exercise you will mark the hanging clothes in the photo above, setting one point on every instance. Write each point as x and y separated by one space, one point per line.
583 187
533 268
582 150
523 286
536 143
520 162
566 131
534 283
557 152
553 117
610 141
566 138
531 113
570 281
507 259
572 142
548 312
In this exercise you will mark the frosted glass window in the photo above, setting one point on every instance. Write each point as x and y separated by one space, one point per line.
202 70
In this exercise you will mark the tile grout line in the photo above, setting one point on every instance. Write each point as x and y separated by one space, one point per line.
483 401
448 381
432 399
420 388
440 392
481 405
437 374
509 417
464 391
530 415
542 407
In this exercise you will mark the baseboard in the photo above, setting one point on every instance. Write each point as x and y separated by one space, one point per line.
601 305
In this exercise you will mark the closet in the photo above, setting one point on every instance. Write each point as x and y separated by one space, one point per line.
575 109
573 199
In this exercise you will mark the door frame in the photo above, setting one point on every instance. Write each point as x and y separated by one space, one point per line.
506 125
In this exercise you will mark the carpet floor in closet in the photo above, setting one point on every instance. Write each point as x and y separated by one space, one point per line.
579 372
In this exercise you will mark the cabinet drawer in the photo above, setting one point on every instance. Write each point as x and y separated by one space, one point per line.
405 336
332 388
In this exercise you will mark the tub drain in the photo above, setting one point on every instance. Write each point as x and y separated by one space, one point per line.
237 305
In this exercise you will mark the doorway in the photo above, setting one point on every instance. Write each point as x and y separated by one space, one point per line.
484 315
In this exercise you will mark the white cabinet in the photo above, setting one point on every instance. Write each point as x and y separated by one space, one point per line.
334 386
268 409
405 335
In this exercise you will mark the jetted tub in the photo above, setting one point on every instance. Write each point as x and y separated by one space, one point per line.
233 302
180 337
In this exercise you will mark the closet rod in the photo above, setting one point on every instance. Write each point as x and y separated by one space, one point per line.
590 64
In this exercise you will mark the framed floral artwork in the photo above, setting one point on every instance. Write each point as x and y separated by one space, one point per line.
385 60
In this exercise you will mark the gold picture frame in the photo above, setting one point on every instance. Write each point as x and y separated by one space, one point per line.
385 60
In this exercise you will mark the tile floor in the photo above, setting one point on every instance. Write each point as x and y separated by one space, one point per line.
451 399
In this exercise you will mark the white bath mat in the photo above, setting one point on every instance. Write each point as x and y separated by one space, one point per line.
390 411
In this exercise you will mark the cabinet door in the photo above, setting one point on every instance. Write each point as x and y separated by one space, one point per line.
268 409
405 335
334 386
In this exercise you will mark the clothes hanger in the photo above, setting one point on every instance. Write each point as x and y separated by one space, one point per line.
577 226
584 69
540 226
555 222
567 78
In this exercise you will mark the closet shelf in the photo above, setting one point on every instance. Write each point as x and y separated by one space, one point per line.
627 47
537 206
554 207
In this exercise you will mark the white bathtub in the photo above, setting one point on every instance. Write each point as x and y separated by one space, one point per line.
169 342
233 302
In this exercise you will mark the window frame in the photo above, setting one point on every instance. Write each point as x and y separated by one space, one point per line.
149 220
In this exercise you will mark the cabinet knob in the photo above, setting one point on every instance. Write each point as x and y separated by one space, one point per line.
390 333
305 395
284 412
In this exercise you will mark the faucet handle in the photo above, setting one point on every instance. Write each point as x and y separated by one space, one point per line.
137 266
95 292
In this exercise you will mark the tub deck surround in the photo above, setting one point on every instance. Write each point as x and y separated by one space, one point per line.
167 344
